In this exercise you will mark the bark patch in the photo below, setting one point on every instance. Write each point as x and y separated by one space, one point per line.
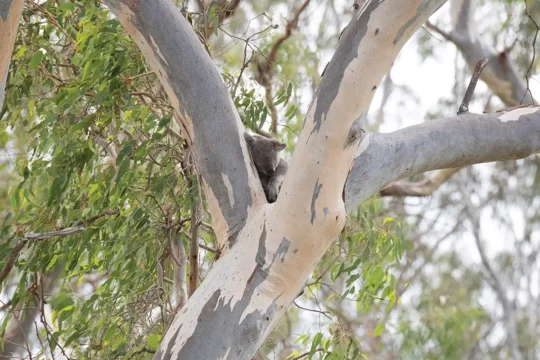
314 198
213 336
346 52
282 250
422 8
4 9
205 101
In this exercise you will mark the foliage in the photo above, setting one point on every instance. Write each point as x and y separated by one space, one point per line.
91 142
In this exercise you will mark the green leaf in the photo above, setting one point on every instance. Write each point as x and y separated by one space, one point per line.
36 59
125 151
378 330
153 340
317 339
67 6
122 169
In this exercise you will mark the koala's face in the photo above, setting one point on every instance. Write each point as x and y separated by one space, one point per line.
265 153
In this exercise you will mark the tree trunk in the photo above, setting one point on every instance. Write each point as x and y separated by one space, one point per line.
268 250
10 13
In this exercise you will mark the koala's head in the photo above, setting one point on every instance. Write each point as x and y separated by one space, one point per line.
264 152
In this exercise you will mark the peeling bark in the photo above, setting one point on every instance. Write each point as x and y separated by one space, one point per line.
10 13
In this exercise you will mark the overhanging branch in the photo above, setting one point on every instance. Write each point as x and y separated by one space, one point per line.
454 142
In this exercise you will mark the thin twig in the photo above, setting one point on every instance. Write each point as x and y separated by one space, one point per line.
528 73
306 354
143 350
480 65
325 313
207 248
46 235
448 36
265 71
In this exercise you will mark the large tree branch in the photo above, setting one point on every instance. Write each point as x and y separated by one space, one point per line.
10 13
202 103
427 186
500 74
449 143
248 290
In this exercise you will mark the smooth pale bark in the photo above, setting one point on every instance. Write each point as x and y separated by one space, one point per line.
278 245
274 247
10 13
458 141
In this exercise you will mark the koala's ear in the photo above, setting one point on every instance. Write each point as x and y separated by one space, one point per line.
279 145
249 139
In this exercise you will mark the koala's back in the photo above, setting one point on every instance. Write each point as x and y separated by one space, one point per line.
270 168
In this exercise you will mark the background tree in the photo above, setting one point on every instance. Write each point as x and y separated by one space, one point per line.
102 192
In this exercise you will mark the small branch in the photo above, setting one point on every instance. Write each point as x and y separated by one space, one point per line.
306 354
143 350
46 235
325 313
207 248
92 219
264 74
5 305
448 36
425 187
480 65
12 257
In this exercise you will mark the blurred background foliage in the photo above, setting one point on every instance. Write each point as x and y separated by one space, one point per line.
88 143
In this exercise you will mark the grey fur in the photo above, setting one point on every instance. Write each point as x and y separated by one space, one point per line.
271 169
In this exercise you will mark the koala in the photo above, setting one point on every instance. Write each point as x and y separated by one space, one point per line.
271 169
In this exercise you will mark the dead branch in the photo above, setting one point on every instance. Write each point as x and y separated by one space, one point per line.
480 65
425 187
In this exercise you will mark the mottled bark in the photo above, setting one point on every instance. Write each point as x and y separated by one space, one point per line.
202 104
251 286
10 13
272 248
